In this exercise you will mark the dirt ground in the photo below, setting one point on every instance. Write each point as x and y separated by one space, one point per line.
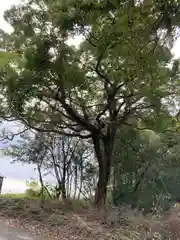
11 233
68 221
56 220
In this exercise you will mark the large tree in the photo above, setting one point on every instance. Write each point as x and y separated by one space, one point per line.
117 75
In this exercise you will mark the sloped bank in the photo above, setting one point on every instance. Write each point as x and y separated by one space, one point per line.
57 221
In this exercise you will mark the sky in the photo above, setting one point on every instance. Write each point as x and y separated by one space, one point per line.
5 4
13 172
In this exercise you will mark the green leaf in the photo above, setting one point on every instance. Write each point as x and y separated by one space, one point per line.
7 57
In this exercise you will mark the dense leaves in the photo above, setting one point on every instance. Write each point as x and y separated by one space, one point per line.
146 172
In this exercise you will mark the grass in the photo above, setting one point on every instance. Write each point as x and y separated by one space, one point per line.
16 196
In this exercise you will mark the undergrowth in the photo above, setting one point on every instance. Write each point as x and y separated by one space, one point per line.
17 196
78 218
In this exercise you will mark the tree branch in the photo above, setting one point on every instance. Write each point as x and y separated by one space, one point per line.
13 135
98 70
69 134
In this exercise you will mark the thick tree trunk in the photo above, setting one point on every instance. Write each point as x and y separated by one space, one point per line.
103 150
63 191
101 190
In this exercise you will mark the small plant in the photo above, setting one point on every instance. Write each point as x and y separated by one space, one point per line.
33 189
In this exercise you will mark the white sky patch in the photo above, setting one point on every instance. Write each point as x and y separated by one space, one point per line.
13 186
75 41
4 5
176 49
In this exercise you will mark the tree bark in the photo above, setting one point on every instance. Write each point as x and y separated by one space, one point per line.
103 150
41 181
64 170
101 190
58 188
63 191
81 178
63 184
75 181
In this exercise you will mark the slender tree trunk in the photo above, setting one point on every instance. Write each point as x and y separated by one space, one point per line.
114 185
81 179
58 179
41 182
75 181
63 186
70 187
67 183
43 187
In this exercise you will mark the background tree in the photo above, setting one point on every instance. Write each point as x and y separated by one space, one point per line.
65 158
146 170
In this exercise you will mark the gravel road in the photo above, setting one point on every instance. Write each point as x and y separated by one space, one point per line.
9 233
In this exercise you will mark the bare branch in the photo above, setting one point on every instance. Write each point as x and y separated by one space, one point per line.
13 135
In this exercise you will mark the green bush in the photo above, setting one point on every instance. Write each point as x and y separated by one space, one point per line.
14 195
31 193
34 190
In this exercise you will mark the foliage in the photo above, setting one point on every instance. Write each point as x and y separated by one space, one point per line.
15 196
33 189
146 174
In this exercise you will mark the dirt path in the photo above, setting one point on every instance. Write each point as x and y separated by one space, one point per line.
9 233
